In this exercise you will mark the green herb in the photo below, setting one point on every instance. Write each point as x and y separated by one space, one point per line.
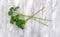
10 13
17 17
12 20
21 22
11 9
16 8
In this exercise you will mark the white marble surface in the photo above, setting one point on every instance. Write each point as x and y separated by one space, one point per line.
32 28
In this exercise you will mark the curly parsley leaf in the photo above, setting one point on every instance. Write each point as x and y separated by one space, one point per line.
10 13
17 16
20 23
12 8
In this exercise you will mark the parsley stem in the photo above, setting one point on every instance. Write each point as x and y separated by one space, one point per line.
35 14
36 17
41 22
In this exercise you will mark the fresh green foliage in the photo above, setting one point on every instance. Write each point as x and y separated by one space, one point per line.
21 22
10 13
12 20
16 8
12 8
17 17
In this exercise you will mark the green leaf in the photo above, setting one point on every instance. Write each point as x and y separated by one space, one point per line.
12 8
20 23
16 8
12 20
10 13
17 17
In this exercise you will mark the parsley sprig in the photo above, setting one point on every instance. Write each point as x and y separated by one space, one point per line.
16 17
